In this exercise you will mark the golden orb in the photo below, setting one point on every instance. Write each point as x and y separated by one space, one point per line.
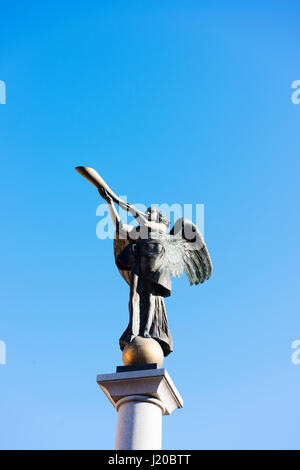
143 351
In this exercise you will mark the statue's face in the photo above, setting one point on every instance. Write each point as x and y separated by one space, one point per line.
153 214
155 221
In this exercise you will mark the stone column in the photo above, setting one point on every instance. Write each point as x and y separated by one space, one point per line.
141 398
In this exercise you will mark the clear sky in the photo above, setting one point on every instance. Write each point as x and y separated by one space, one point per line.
174 102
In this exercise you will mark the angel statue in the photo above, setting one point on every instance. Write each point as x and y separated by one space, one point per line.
147 256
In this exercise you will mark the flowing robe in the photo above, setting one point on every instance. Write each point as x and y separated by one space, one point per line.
149 284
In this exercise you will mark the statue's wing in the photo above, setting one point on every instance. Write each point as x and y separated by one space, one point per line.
187 251
120 242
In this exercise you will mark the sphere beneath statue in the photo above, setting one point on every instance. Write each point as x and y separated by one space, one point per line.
143 351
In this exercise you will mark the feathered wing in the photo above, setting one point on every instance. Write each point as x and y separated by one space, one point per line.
187 251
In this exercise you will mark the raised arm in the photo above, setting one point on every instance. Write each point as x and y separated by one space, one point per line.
110 196
112 210
123 230
140 216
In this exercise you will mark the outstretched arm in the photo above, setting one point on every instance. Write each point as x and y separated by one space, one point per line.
109 196
138 215
112 210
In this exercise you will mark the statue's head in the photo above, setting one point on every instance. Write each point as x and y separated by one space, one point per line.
155 215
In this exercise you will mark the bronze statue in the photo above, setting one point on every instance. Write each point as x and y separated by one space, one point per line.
147 256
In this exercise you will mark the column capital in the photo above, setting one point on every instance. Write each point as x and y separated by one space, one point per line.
155 383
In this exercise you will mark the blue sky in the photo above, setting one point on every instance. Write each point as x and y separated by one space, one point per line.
174 102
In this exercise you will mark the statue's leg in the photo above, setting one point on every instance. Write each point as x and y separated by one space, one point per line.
147 310
133 327
134 305
151 313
